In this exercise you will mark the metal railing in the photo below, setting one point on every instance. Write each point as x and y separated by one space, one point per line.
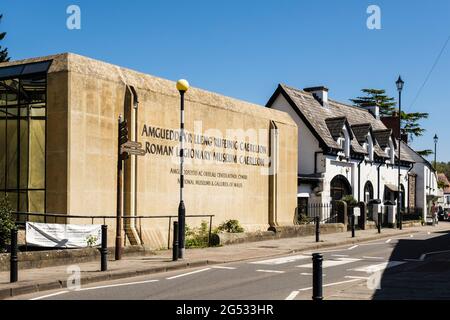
137 220
327 213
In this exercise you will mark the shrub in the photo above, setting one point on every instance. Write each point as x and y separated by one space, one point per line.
197 237
231 226
6 222
350 200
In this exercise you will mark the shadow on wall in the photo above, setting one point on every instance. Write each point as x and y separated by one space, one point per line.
426 278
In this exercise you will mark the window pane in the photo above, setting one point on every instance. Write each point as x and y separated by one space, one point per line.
12 87
37 154
2 94
2 152
11 71
11 158
12 199
36 201
32 90
23 154
37 110
36 67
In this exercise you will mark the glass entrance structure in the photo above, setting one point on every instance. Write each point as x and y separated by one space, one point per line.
23 135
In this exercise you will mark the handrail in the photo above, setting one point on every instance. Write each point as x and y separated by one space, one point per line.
67 216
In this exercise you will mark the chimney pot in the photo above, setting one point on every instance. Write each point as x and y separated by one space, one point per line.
320 93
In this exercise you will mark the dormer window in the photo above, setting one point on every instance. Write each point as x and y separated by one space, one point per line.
344 142
369 147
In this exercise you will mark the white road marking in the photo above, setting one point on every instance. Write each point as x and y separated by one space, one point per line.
428 232
270 271
388 240
355 246
189 273
223 267
411 236
354 277
118 285
331 284
378 267
50 295
339 255
373 258
282 260
310 274
331 263
292 295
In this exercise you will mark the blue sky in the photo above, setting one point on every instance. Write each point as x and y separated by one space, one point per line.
244 49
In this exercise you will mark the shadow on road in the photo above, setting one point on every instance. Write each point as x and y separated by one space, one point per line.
420 277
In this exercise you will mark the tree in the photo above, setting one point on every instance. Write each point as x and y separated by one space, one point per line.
410 121
443 167
3 52
6 222
376 97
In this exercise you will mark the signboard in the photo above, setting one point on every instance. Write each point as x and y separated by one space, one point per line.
63 235
357 212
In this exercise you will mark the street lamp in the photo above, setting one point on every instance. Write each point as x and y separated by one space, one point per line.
182 87
399 84
436 139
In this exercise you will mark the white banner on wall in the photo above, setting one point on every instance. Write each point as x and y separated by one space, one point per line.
63 235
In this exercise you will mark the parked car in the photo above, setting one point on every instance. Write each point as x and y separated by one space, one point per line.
442 214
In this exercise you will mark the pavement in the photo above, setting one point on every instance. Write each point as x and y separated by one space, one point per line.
211 276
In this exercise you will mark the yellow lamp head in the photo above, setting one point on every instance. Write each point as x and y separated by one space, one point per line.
182 85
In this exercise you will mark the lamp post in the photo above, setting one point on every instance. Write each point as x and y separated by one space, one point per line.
182 87
436 139
399 84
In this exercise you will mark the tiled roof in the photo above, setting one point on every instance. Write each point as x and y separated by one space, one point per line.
361 131
326 120
335 126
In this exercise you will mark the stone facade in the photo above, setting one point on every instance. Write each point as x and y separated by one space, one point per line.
254 180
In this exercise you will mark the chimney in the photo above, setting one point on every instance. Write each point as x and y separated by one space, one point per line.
391 122
320 94
374 110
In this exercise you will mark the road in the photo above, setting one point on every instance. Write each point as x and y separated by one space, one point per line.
366 265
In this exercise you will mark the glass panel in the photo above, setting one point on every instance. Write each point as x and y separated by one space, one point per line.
2 152
12 199
2 94
11 71
36 201
23 173
37 110
12 87
36 67
32 90
11 157
37 154
23 201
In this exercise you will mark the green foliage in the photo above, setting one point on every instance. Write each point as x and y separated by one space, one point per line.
91 240
425 153
3 52
197 237
442 185
231 226
443 167
376 97
304 219
6 222
351 201
410 121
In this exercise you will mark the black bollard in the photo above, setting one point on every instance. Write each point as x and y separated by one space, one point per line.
317 220
317 276
379 222
104 248
13 259
353 225
175 242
